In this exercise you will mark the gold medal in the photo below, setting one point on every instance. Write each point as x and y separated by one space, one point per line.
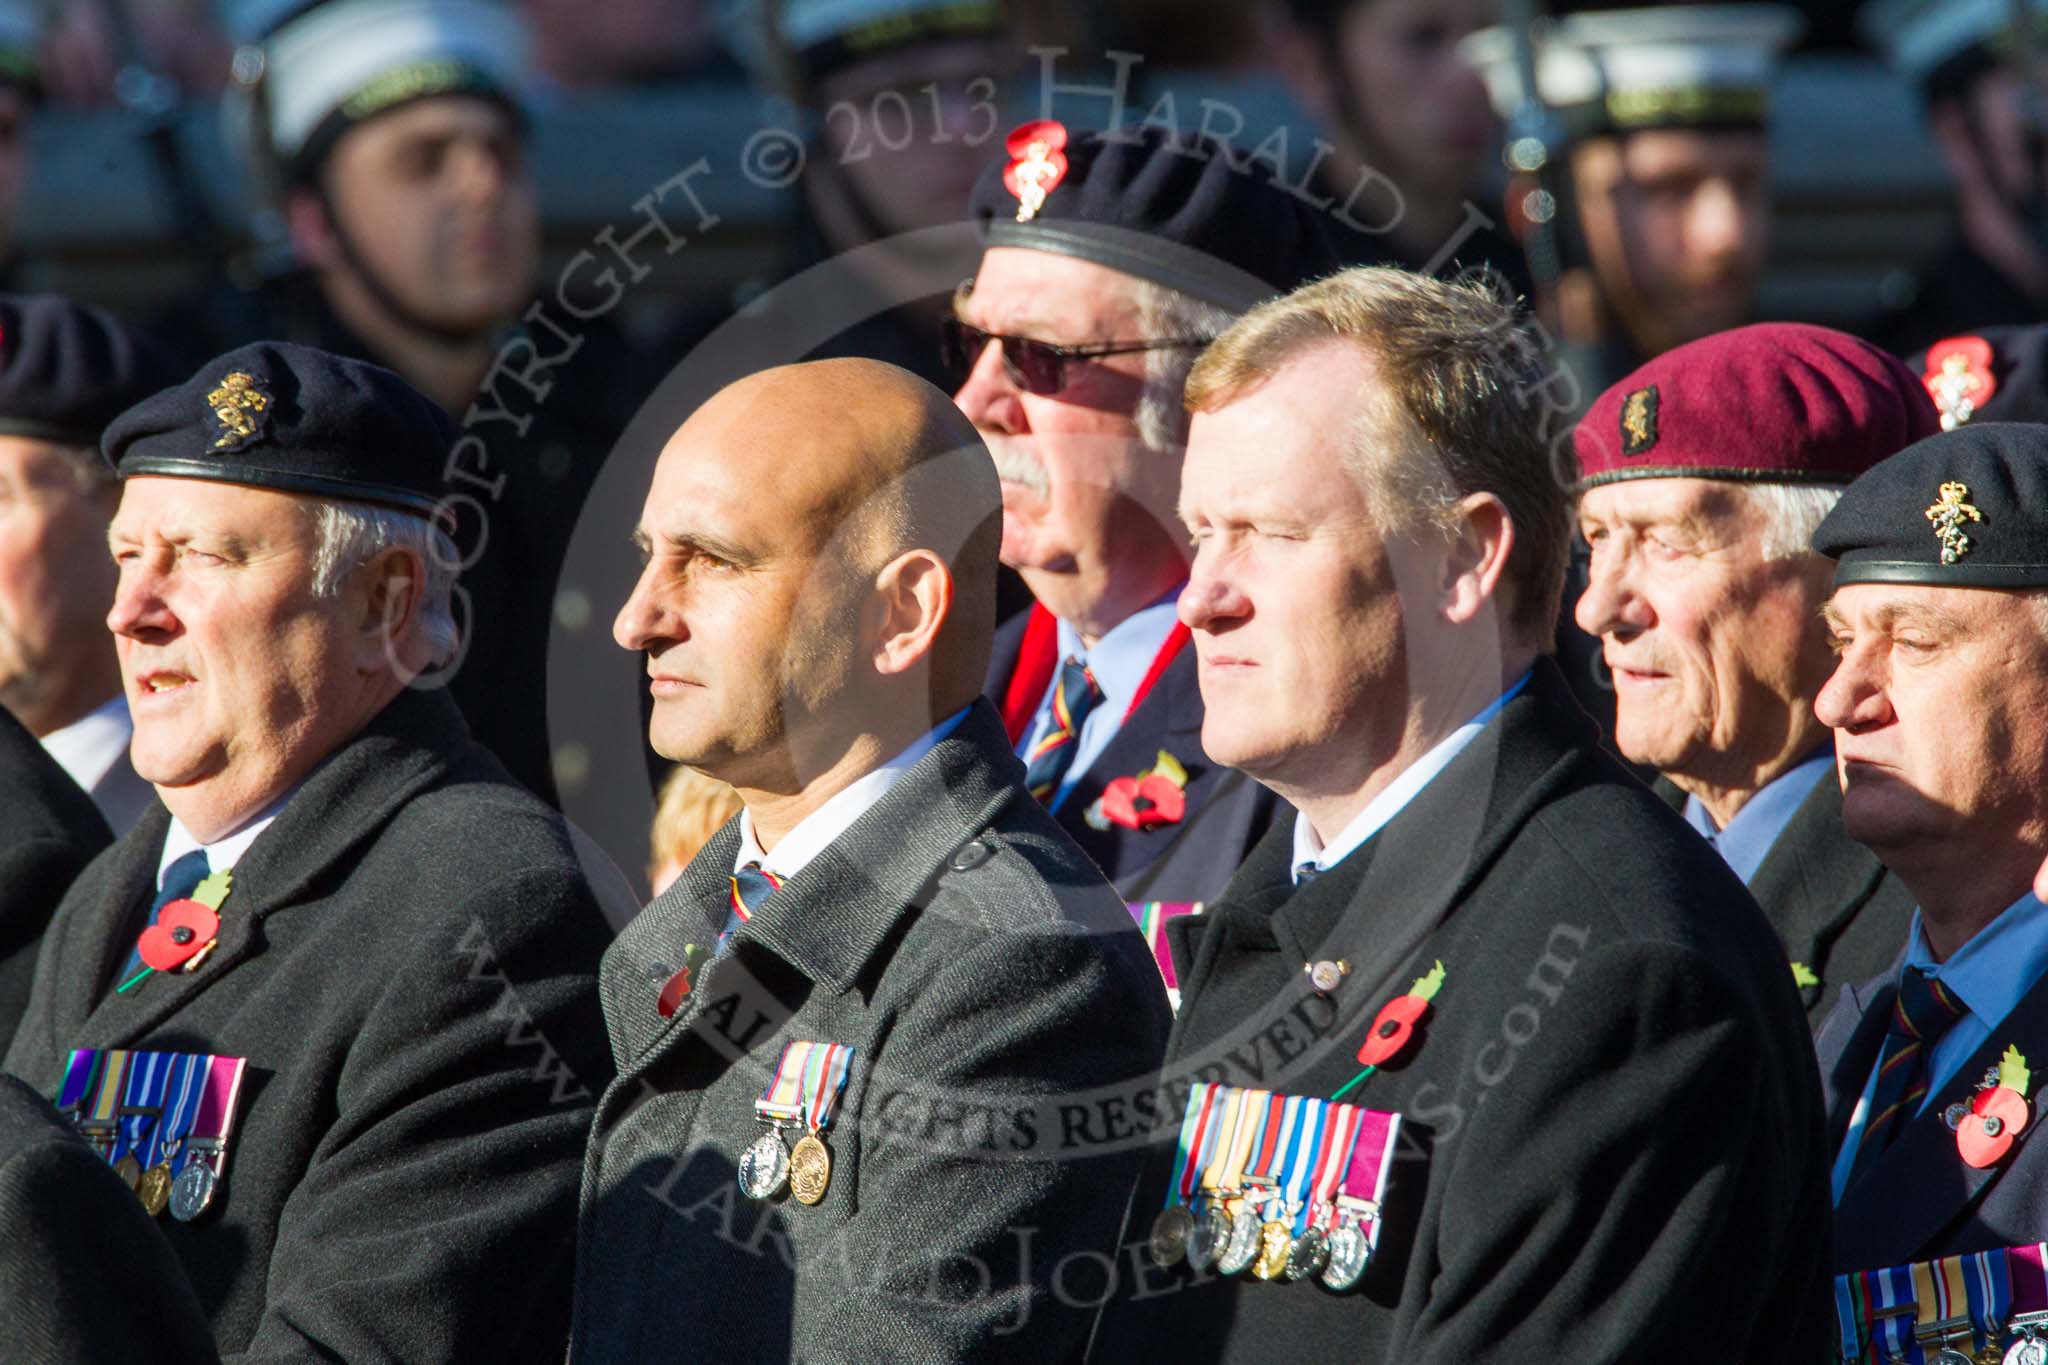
154 1189
1274 1241
129 1169
810 1169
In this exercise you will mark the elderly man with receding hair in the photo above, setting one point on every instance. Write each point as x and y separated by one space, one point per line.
1506 1058
886 1047
1702 476
330 1008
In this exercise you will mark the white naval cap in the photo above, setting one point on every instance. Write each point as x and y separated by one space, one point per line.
330 65
1665 67
1940 43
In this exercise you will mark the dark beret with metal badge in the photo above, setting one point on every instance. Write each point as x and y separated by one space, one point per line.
1966 508
1775 402
1999 374
1188 212
275 415
68 369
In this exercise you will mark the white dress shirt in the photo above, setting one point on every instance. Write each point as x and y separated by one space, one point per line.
815 832
89 747
1309 846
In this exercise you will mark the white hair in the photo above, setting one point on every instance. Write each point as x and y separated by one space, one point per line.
1168 314
350 534
1792 513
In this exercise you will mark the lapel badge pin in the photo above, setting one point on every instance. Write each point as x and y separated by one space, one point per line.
1394 1028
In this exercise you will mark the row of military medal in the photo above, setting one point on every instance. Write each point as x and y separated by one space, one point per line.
1976 1308
803 1092
144 1112
1287 1187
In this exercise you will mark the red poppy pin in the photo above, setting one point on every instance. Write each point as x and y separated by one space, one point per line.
1959 378
1394 1029
1038 162
1988 1124
1156 796
184 931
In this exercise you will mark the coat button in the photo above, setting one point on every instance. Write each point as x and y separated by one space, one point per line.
971 855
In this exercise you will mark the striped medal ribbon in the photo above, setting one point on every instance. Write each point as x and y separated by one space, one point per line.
1197 1131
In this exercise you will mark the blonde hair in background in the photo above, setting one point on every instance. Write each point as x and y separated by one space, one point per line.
692 808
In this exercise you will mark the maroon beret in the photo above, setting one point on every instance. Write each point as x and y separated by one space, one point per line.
1777 402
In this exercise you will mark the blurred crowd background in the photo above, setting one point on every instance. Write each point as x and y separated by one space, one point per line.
126 186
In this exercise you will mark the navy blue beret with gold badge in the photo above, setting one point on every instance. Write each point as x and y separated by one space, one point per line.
1190 213
67 370
275 415
1966 509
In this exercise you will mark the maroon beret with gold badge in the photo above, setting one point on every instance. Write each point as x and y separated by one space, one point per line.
1777 402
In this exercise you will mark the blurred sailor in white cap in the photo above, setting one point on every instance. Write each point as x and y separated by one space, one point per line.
1969 61
1663 219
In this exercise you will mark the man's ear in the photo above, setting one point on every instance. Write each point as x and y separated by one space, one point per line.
1481 541
913 597
309 229
384 594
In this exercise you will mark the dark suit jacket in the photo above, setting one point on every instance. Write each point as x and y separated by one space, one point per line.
1922 1200
408 959
83 1276
1227 812
999 1000
49 831
1614 1139
1835 906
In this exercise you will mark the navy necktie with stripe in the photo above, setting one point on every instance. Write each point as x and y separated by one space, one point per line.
1923 1011
1077 695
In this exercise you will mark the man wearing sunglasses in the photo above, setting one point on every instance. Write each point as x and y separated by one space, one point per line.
1110 261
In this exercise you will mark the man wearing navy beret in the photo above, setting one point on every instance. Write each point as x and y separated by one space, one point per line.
1110 260
1940 627
1702 476
330 1008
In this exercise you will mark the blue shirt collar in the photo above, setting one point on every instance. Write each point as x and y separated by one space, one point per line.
1309 847
1997 967
1747 840
1124 655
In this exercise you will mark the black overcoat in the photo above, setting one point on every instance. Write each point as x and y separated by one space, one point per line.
1614 1141
49 830
408 959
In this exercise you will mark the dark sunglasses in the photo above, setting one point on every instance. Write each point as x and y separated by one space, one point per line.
1037 366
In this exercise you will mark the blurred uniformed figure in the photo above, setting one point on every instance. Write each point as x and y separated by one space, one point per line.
1662 212
392 138
1940 626
66 371
1702 476
1969 60
1412 133
21 90
906 101
382 949
1591 1127
1110 262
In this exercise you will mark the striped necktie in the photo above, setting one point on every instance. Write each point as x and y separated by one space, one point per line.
1924 1011
751 885
1077 694
181 879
